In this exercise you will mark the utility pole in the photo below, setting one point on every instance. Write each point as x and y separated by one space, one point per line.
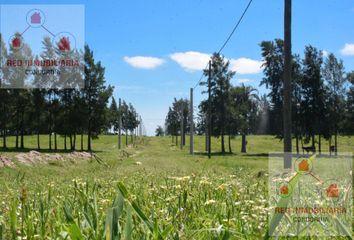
182 130
206 133
120 125
209 110
191 124
136 128
287 85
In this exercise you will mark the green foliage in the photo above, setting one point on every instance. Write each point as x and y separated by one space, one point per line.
170 194
159 131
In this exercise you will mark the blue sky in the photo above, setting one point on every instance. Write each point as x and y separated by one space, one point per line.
153 50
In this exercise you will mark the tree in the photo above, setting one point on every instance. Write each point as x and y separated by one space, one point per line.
159 131
296 98
4 95
56 104
244 100
132 120
124 111
114 115
36 109
262 126
313 93
172 123
181 108
349 118
96 96
333 73
16 79
272 52
220 88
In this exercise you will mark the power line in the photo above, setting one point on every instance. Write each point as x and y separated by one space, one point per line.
236 26
201 77
228 39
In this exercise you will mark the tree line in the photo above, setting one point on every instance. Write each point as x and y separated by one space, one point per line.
54 110
322 101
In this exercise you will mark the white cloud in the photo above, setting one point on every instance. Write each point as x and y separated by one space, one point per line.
144 62
196 61
325 53
191 61
348 49
246 66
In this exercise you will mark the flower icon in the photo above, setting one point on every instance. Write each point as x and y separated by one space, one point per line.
304 166
284 190
16 42
332 190
64 44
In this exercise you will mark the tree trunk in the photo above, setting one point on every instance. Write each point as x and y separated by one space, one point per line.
65 147
313 142
126 138
4 128
22 129
222 143
17 127
38 141
16 138
230 150
89 136
184 134
50 140
55 142
319 144
22 140
89 142
243 147
71 141
74 145
335 143
4 139
181 133
297 144
82 141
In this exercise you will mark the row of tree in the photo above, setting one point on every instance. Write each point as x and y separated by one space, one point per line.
322 95
322 100
123 118
54 108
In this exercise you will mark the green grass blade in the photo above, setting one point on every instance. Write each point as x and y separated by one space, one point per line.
137 209
74 232
13 219
128 224
343 228
166 231
1 227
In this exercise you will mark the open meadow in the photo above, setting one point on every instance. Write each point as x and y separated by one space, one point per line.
151 188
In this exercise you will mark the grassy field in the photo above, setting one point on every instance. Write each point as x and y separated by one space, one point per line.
151 188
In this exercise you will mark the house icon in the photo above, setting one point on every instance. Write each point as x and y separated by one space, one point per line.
36 18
